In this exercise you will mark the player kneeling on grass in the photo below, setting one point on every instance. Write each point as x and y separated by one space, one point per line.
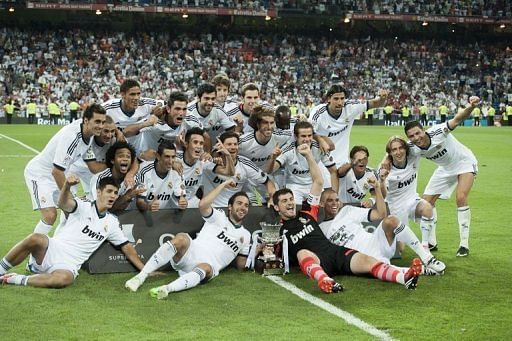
56 260
221 241
306 245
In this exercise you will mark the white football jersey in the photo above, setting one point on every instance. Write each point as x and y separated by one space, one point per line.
346 225
402 183
353 189
337 129
444 149
229 107
245 171
151 137
166 190
95 181
260 153
85 230
192 177
63 149
217 116
296 166
223 240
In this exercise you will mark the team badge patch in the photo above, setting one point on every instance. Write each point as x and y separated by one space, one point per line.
238 177
198 171
105 227
169 184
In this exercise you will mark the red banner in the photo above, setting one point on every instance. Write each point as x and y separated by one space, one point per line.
434 18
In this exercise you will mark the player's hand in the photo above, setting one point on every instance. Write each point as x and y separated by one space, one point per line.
383 94
229 183
218 161
154 205
372 182
383 174
206 157
386 164
276 152
238 120
178 167
180 139
220 148
304 149
474 101
182 203
302 117
151 121
157 111
367 204
129 181
72 180
324 146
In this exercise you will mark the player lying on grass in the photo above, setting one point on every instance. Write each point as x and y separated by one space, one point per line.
56 260
306 245
221 241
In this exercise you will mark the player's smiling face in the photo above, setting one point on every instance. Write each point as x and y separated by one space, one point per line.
106 197
166 160
336 102
94 125
398 152
122 160
331 204
266 126
131 99
360 161
418 136
304 136
231 145
222 93
239 209
176 113
251 97
107 133
286 206
194 147
206 102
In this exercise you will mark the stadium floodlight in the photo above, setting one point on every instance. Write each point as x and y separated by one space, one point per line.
11 9
267 17
347 20
502 26
98 12
184 15
425 23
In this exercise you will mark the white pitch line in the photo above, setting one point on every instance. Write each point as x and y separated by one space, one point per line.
348 317
20 143
16 155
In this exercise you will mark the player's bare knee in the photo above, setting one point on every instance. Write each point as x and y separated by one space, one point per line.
462 200
35 239
49 215
207 269
60 280
181 241
301 254
390 222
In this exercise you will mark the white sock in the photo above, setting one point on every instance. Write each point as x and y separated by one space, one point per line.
404 234
4 266
42 228
432 239
187 281
18 280
426 227
161 257
464 218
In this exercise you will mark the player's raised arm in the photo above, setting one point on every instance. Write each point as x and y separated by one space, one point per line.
67 202
474 101
316 175
134 129
379 101
205 205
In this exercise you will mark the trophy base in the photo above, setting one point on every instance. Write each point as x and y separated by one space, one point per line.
269 268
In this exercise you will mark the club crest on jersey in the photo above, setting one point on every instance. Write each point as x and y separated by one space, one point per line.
198 171
105 228
238 177
445 129
169 184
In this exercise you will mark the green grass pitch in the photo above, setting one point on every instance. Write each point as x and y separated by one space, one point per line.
471 301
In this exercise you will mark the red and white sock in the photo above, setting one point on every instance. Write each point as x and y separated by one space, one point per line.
387 273
312 270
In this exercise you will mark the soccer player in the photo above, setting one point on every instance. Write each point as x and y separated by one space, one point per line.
57 260
298 177
205 113
120 159
306 245
131 108
354 177
163 186
245 172
221 241
250 98
335 118
222 87
457 167
261 143
169 128
44 174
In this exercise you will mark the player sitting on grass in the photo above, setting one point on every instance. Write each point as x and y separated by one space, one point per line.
306 245
221 241
56 260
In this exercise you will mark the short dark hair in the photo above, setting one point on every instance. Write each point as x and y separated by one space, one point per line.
334 89
176 96
193 131
104 182
412 124
111 152
205 88
232 199
221 79
356 149
93 108
278 193
165 144
128 84
283 116
228 134
302 125
249 87
397 139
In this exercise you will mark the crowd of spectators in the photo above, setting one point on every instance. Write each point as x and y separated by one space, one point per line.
88 66
491 8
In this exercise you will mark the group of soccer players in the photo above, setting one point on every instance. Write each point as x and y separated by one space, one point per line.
140 153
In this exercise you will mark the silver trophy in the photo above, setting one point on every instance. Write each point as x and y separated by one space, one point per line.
270 259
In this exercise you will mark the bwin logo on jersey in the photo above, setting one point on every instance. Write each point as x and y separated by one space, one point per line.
304 232
407 182
231 243
191 182
354 194
92 234
438 155
295 171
